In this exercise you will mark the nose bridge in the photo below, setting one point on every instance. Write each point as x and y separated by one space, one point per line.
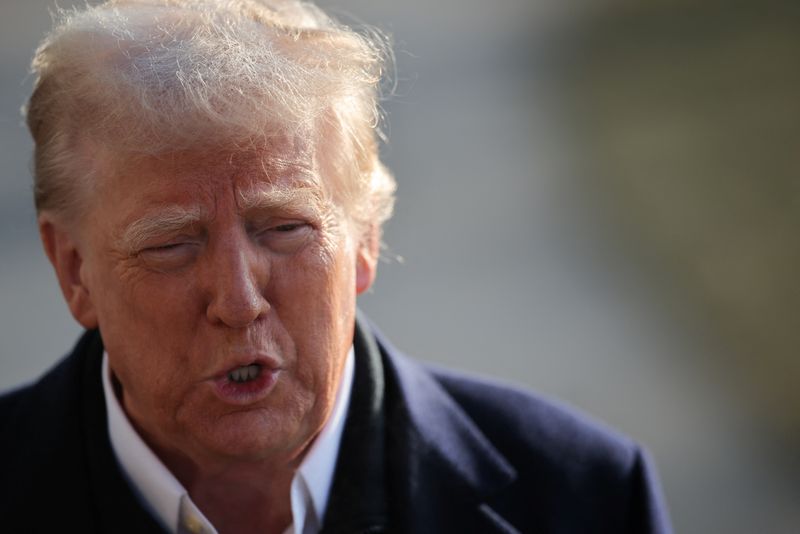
237 278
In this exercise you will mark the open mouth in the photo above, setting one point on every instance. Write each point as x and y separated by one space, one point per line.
247 383
245 373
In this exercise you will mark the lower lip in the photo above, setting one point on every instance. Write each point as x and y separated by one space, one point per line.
243 393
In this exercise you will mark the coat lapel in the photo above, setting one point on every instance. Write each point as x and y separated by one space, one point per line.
452 470
410 459
443 470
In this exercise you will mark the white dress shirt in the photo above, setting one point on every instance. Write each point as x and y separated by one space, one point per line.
171 504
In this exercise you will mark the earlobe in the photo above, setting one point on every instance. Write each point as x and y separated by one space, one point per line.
365 273
367 261
63 253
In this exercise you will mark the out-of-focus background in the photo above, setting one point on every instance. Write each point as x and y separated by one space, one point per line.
598 200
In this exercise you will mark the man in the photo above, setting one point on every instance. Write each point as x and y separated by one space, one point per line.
210 196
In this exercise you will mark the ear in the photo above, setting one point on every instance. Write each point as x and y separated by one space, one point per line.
63 253
367 260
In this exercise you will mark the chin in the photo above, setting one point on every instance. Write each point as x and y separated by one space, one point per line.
253 435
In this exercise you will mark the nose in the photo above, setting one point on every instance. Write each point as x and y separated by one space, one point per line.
236 278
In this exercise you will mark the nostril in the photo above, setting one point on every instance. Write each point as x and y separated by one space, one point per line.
236 316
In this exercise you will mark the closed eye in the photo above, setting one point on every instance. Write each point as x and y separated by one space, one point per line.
285 237
288 227
164 248
169 256
167 248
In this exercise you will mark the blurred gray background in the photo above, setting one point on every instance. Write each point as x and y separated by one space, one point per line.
596 200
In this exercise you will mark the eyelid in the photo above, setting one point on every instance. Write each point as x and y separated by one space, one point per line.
170 244
275 223
289 225
166 246
171 256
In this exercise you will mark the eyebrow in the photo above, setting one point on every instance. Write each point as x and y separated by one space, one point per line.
165 221
302 198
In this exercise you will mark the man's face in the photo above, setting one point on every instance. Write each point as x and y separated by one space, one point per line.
224 288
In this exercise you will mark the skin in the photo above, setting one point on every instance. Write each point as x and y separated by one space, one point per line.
232 279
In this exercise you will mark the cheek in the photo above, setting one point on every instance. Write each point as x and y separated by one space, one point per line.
315 300
319 275
147 329
153 389
318 291
158 300
151 317
146 381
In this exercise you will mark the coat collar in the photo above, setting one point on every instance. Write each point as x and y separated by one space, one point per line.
443 470
449 434
358 497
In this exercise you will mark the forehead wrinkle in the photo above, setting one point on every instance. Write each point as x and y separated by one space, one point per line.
163 221
275 166
286 162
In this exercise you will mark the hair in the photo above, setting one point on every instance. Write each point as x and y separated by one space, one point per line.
151 77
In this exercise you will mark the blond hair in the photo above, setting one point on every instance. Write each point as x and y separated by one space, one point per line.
148 77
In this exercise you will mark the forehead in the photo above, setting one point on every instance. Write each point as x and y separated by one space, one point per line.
199 175
199 182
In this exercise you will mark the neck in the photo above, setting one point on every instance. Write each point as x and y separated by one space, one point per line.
240 497
237 504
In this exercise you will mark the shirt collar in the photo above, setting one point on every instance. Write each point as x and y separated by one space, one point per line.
163 494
